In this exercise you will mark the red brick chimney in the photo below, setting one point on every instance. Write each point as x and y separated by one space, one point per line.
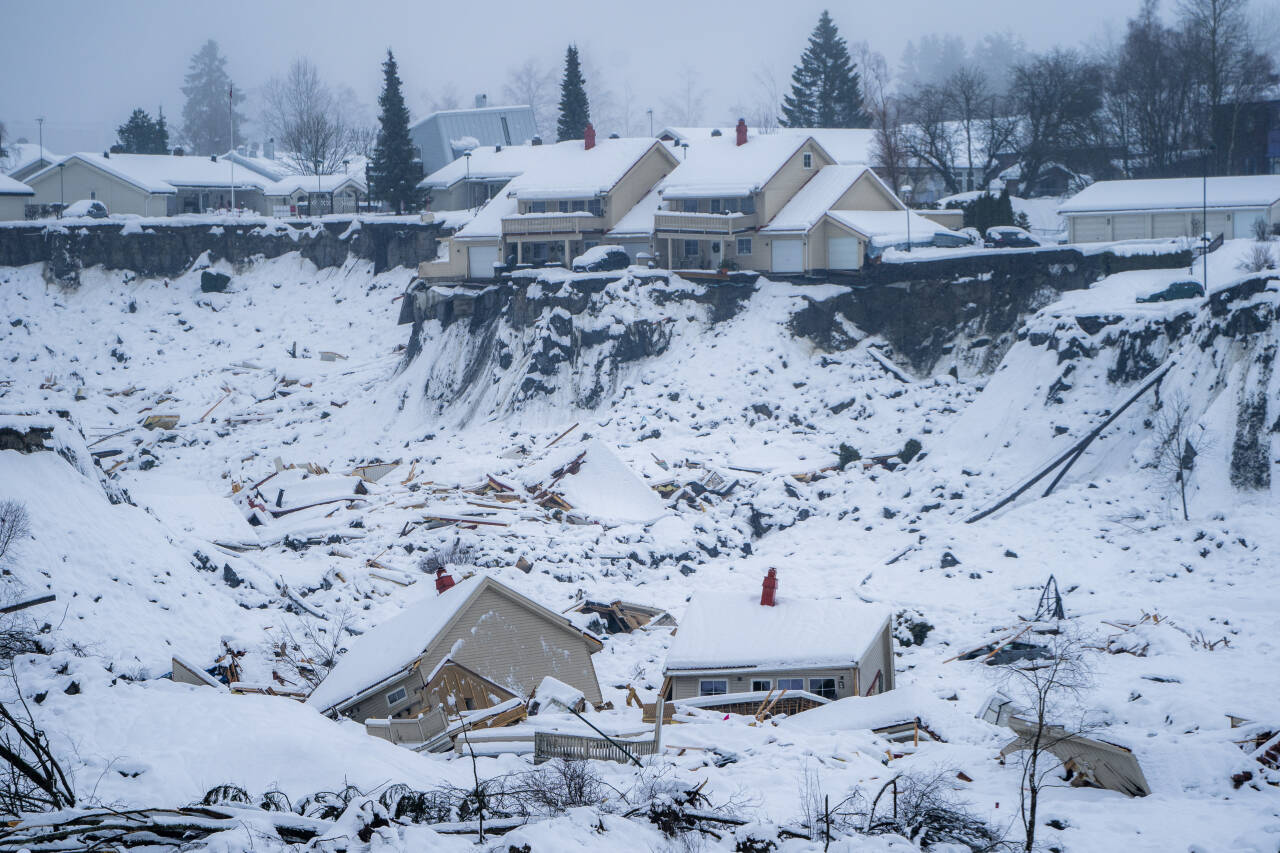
589 137
443 581
742 131
768 590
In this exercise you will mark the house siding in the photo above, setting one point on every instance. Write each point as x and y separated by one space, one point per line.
514 646
655 165
14 206
84 181
789 179
686 686
374 706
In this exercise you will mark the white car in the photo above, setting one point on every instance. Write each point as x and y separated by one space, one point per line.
92 208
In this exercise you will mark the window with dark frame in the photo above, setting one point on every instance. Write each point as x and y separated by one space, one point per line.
824 687
713 687
596 207
744 245
759 685
395 697
791 684
808 160
690 248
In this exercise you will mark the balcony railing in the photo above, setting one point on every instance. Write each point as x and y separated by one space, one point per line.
704 223
545 223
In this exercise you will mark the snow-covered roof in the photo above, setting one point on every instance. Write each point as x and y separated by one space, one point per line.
817 197
23 154
8 186
734 630
847 146
163 173
313 183
638 221
487 163
889 227
387 649
721 167
602 488
442 136
1175 194
566 170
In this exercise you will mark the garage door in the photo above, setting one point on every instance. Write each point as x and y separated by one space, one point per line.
843 253
1219 223
788 256
1133 227
480 261
1244 220
1169 225
1091 229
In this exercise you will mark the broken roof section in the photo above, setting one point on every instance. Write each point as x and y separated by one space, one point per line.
591 481
733 630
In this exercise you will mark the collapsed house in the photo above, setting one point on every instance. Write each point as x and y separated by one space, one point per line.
621 617
778 654
474 645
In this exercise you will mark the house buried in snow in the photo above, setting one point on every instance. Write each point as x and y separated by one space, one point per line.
735 653
474 644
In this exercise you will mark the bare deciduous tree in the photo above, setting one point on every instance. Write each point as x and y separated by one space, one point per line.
31 779
1044 690
15 525
533 82
309 121
1180 441
310 652
1058 96
684 106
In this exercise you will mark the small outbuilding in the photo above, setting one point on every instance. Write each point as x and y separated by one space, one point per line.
1172 207
734 646
474 644
14 197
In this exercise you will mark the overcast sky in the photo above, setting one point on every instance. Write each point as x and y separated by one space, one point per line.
84 65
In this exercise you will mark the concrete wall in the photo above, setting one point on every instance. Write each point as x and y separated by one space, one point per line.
79 180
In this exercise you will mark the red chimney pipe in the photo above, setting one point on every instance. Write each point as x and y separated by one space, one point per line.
742 131
589 137
443 581
769 589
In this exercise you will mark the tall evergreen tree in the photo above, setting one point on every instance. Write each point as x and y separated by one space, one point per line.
205 118
142 134
575 112
825 87
394 171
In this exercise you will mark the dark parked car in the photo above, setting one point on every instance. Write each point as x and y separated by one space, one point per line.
86 207
1010 237
1188 289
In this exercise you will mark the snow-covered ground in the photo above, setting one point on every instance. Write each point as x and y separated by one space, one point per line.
243 372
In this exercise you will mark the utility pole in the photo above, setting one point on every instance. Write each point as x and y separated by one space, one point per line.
650 112
231 116
40 122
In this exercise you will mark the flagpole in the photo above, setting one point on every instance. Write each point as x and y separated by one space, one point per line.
231 113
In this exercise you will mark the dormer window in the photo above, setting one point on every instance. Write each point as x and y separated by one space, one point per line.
807 159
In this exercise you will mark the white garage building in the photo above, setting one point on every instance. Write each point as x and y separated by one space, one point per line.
14 196
1172 207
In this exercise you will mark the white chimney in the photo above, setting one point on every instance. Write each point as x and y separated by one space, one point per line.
269 148
482 101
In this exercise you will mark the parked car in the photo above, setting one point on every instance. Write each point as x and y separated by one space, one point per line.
1010 237
1186 289
92 208
974 235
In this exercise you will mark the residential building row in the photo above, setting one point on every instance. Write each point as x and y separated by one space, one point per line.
778 202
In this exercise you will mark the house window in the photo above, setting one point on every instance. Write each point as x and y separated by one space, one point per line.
744 245
578 205
596 206
760 685
690 248
395 697
732 205
807 160
791 684
824 687
537 207
716 687
715 205
690 205
749 204
564 207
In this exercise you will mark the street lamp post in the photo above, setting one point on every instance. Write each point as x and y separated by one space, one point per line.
62 188
1204 219
40 123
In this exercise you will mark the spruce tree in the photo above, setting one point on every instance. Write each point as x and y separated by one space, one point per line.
205 119
825 87
394 171
575 112
142 134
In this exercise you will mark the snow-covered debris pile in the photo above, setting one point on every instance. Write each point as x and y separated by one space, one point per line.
589 481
